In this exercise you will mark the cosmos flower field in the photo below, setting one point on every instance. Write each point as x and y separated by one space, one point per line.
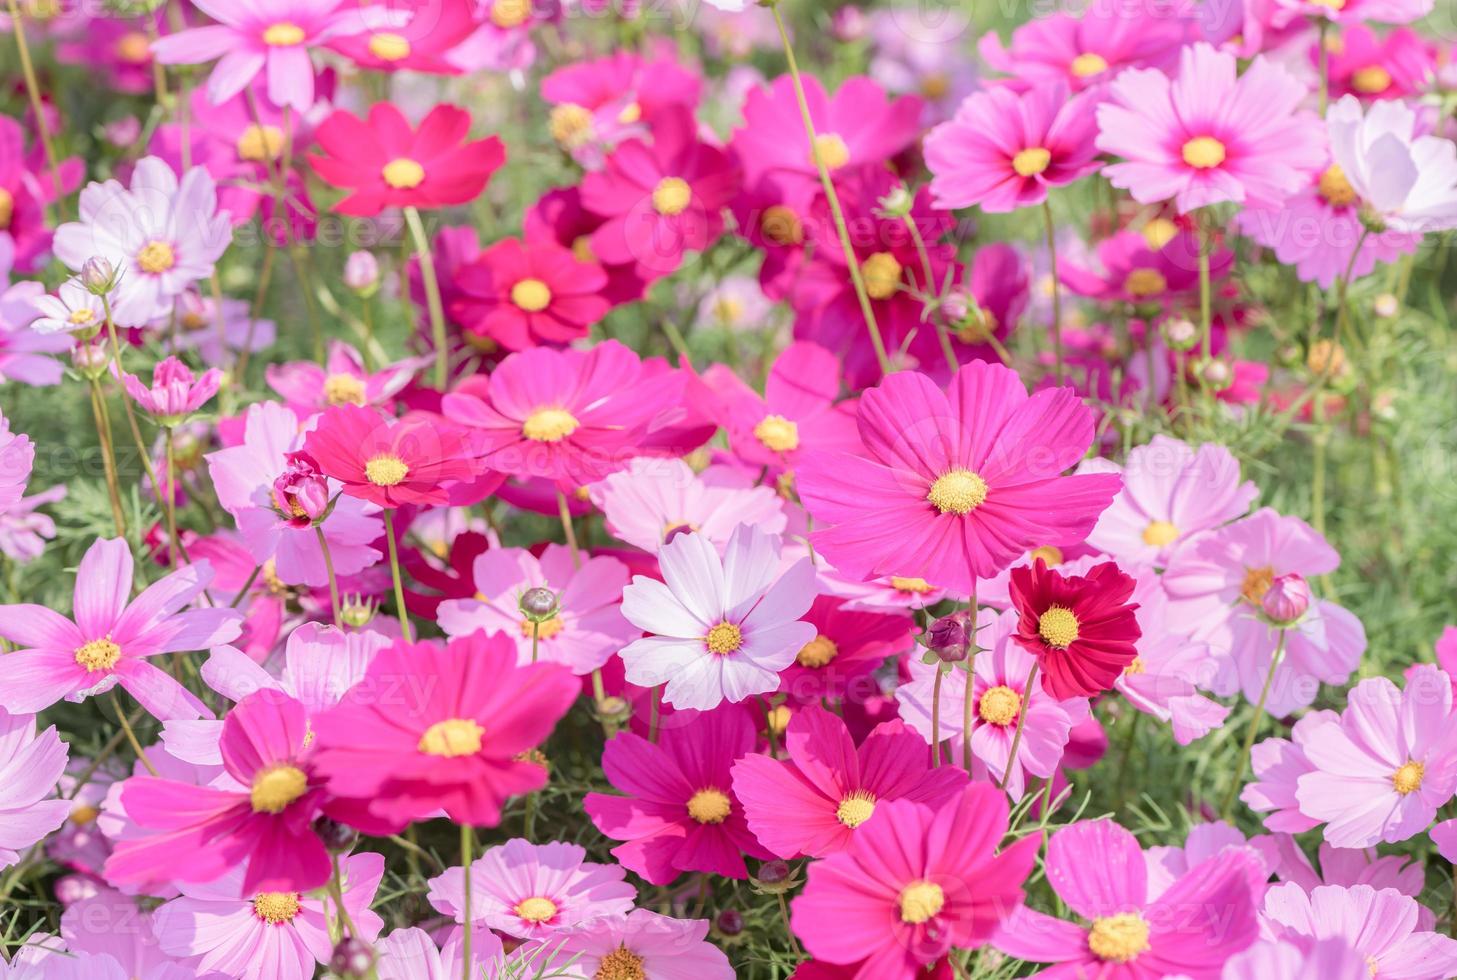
527 489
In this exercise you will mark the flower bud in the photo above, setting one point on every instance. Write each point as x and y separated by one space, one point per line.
1287 599
774 878
897 202
301 492
90 359
948 639
336 836
352 958
361 273
1180 334
357 611
538 604
1215 374
98 276
730 922
1386 306
849 24
1326 357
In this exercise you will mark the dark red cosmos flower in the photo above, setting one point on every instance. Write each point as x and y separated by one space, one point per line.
455 581
1081 628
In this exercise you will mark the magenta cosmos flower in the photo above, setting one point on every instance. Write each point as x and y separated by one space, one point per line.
914 883
532 891
1083 51
112 637
1098 870
816 803
654 498
175 392
680 813
1385 927
1002 151
523 294
954 485
800 409
572 416
721 628
1206 136
30 767
262 815
850 645
1156 264
341 380
643 944
454 742
272 37
384 163
387 462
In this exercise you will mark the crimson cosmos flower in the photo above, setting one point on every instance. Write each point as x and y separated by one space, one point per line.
1081 628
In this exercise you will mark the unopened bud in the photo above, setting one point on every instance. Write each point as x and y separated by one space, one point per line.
538 604
98 276
1180 334
948 639
1326 357
1386 306
1287 599
849 24
361 272
352 958
897 202
730 922
1215 374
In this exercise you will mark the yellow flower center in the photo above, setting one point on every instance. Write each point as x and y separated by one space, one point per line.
1335 188
1257 582
1118 938
98 654
386 470
531 295
1159 534
403 173
917 585
1203 152
1330 4
549 425
921 901
830 150
275 787
777 433
452 738
343 389
817 652
855 809
1031 161
1058 626
620 964
630 114
570 125
271 582
1088 63
389 47
1371 80
727 310
1326 356
881 274
134 48
672 196
283 34
7 208
507 14
709 806
1050 554
156 258
935 85
1158 232
958 492
535 909
780 225
1135 667
1145 282
999 705
724 638
1408 779
277 908
582 249
80 318
260 143
545 629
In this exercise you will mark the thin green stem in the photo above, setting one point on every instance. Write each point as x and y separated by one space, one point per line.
467 840
968 695
131 735
336 888
1051 231
936 715
432 295
389 528
37 107
565 512
170 501
1244 756
1021 724
1206 316
329 567
108 457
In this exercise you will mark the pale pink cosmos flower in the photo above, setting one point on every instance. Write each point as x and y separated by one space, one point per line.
1278 764
721 627
410 954
1407 179
1205 136
1381 772
30 767
643 944
1167 864
112 638
1382 925
531 891
160 234
1351 11
1297 958
1084 50
17 457
654 498
73 309
1171 492
108 923
175 392
24 531
212 331
342 380
1349 866
587 627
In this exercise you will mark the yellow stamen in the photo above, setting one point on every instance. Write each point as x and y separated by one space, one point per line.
724 638
386 470
921 901
98 654
631 113
1160 534
1118 938
709 806
999 705
917 585
1335 188
1257 582
276 786
817 652
283 35
1408 779
549 425
855 809
84 814
1050 554
7 208
958 492
777 433
535 909
260 143
1204 152
780 225
672 196
531 295
1145 282
134 48
620 964
1158 232
403 173
507 14
277 908
343 389
389 47
1058 626
156 258
1031 161
882 274
545 629
452 738
1088 63
570 125
1371 80
830 149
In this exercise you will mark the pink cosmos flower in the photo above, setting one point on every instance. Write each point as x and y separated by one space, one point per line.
109 924
407 757
850 646
1381 772
1144 267
1002 150
1354 12
1298 959
598 103
391 462
1368 66
423 43
532 891
267 935
410 954
927 61
558 216
1083 51
272 36
721 627
653 498
570 415
1384 927
73 310
815 803
643 944
341 380
384 163
914 883
520 295
1167 864
800 409
954 485
30 767
660 200
1349 866
26 189
175 392
587 627
1097 869
24 531
260 815
279 527
17 457
680 813
1406 179
159 234
217 332
999 698
1171 492
112 637
1278 764
1206 136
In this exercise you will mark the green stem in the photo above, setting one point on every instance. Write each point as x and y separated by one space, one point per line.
1021 723
389 527
329 567
1206 316
467 840
336 886
171 500
108 458
131 735
936 715
1051 231
1244 756
432 296
565 512
971 651
37 107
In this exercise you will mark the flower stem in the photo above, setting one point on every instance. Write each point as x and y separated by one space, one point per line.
1206 318
1021 723
108 457
171 500
37 108
1325 65
565 511
1057 365
936 716
432 295
131 735
336 887
126 402
836 212
329 567
784 914
1244 756
467 840
971 651
389 528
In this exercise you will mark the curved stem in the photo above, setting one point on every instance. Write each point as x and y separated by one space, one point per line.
1244 756
565 512
329 567
336 888
936 715
131 735
432 295
389 527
